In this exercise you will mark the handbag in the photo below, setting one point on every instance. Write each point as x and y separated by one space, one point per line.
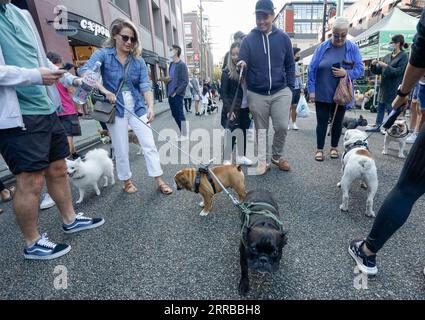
344 91
103 110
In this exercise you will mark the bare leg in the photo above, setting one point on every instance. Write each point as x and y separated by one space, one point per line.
414 114
59 190
26 202
294 113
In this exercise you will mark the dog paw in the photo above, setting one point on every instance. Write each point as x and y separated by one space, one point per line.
370 214
203 213
384 152
243 287
79 201
402 156
201 204
343 209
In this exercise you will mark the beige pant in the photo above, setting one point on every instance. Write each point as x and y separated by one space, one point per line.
276 107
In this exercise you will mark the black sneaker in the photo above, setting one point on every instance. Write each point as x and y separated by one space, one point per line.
366 264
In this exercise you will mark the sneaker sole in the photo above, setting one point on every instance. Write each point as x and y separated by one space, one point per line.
92 226
50 257
364 269
47 207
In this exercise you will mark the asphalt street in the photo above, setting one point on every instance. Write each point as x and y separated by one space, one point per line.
158 247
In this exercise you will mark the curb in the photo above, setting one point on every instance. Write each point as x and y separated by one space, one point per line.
8 178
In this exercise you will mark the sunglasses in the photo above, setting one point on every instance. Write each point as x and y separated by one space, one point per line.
126 38
339 36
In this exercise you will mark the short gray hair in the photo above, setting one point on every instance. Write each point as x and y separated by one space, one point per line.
341 23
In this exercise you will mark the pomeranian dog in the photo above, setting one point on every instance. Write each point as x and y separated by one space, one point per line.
87 173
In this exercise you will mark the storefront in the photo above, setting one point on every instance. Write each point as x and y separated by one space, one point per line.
90 36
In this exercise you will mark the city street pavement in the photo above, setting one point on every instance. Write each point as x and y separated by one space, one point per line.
158 247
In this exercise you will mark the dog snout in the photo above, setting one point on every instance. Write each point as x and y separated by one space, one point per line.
264 260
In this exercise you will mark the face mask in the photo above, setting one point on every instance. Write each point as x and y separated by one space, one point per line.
391 47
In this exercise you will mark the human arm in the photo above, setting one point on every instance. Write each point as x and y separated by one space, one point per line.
184 80
358 67
145 90
11 76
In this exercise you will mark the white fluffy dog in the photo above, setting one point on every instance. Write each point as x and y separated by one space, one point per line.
358 164
87 173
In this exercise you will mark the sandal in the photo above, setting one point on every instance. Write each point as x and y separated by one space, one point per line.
165 189
11 194
319 156
129 187
334 153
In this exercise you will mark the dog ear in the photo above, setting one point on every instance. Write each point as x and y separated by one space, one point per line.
239 167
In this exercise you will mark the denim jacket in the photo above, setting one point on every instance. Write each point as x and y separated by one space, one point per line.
352 54
113 72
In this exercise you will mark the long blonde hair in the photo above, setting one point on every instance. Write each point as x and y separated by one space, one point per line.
231 67
116 26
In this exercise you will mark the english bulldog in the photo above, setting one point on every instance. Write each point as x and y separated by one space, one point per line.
231 176
358 164
397 133
263 237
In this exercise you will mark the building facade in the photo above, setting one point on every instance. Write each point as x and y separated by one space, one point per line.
159 22
363 14
303 20
197 47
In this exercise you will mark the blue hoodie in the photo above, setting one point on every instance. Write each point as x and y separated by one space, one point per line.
270 61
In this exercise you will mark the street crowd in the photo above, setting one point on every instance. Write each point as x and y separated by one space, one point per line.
261 80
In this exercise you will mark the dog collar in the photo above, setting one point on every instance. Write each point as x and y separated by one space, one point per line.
198 179
357 144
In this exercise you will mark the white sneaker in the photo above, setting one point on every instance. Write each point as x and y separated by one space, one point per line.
290 126
182 138
294 126
244 161
227 163
412 138
47 202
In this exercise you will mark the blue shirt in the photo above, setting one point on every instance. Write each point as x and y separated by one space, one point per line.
113 72
326 83
173 81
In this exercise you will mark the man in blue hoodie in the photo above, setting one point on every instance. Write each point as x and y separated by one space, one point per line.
266 54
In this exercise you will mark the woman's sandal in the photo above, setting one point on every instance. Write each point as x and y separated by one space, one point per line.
129 187
165 189
319 156
334 153
11 194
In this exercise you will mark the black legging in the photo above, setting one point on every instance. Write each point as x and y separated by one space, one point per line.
187 104
397 206
244 122
324 111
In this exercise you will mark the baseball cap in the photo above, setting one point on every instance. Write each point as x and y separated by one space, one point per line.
265 6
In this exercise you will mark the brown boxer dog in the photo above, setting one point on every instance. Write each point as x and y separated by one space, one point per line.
231 176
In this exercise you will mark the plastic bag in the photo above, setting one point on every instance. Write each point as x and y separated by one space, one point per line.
302 108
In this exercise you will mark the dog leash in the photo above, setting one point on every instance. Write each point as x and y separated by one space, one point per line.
200 163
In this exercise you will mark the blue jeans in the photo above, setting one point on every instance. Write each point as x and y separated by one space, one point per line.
382 107
176 106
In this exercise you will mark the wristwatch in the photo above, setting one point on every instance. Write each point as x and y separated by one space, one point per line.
402 94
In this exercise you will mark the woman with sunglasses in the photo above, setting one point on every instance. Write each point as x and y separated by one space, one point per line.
332 60
391 69
121 61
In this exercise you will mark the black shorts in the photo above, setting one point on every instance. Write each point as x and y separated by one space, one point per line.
296 94
71 124
32 149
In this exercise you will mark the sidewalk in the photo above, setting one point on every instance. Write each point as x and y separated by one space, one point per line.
89 138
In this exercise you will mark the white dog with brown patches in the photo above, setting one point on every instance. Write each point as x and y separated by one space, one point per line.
358 164
397 133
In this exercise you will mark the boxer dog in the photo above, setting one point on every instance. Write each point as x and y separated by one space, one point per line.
263 237
230 176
